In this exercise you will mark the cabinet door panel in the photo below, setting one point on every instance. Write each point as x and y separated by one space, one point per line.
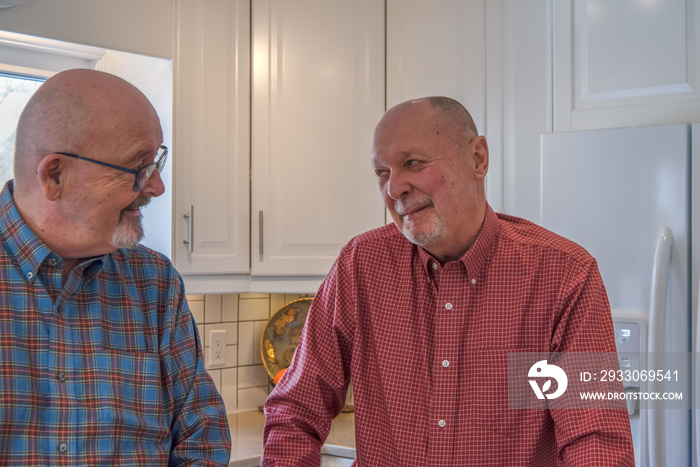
625 63
318 91
212 136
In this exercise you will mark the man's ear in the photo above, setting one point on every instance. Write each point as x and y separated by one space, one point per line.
481 157
51 176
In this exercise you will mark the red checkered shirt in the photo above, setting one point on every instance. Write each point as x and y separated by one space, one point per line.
427 349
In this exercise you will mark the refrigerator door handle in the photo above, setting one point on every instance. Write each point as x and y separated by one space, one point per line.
657 333
696 387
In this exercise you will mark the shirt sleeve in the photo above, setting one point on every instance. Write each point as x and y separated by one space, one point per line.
600 435
300 409
200 432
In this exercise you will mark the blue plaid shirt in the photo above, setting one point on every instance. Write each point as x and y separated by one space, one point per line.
105 369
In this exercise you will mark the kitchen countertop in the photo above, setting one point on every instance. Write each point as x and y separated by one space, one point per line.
246 437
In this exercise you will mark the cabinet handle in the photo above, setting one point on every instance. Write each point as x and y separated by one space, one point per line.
189 217
260 231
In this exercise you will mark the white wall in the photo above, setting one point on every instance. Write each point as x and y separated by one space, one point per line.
138 26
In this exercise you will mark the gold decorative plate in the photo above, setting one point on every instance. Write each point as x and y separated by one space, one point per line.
281 335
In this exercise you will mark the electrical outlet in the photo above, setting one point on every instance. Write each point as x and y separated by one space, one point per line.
217 348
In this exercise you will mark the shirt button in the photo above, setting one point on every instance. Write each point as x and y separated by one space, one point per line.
53 261
473 281
448 306
442 423
62 376
30 275
62 447
434 266
60 308
445 363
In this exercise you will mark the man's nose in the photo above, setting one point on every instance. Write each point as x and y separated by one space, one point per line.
154 185
397 186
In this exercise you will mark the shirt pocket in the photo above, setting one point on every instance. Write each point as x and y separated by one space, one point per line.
128 392
489 388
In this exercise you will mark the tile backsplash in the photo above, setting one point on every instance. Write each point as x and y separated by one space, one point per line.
242 380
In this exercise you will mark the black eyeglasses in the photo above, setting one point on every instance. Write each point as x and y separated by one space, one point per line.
142 174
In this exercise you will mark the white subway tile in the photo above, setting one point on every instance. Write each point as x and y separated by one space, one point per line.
248 295
251 398
229 308
231 356
254 309
259 329
229 385
276 302
252 376
212 308
197 309
291 297
246 343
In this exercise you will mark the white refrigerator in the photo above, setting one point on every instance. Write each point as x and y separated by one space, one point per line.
630 196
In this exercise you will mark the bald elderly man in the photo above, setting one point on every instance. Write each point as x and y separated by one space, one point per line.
101 362
423 313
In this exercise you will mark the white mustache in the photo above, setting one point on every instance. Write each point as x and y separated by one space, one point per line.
139 202
405 207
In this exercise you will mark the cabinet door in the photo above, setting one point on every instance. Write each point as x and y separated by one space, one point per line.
318 91
446 58
625 63
211 145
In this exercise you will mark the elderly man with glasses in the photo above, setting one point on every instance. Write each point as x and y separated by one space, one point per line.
101 362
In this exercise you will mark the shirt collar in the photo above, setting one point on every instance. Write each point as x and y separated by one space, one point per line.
20 243
478 252
17 238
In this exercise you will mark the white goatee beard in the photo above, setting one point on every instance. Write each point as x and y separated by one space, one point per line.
129 231
432 233
436 231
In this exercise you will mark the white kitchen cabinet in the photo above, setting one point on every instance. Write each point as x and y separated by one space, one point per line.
318 89
437 52
211 142
317 93
625 63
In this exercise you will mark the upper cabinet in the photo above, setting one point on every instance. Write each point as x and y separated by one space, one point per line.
434 51
275 106
211 138
317 93
625 63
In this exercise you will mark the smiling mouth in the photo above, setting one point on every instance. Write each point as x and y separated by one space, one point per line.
415 211
404 207
135 207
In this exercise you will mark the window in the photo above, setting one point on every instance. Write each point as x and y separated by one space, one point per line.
15 91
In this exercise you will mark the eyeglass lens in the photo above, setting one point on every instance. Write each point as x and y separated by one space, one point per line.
145 172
